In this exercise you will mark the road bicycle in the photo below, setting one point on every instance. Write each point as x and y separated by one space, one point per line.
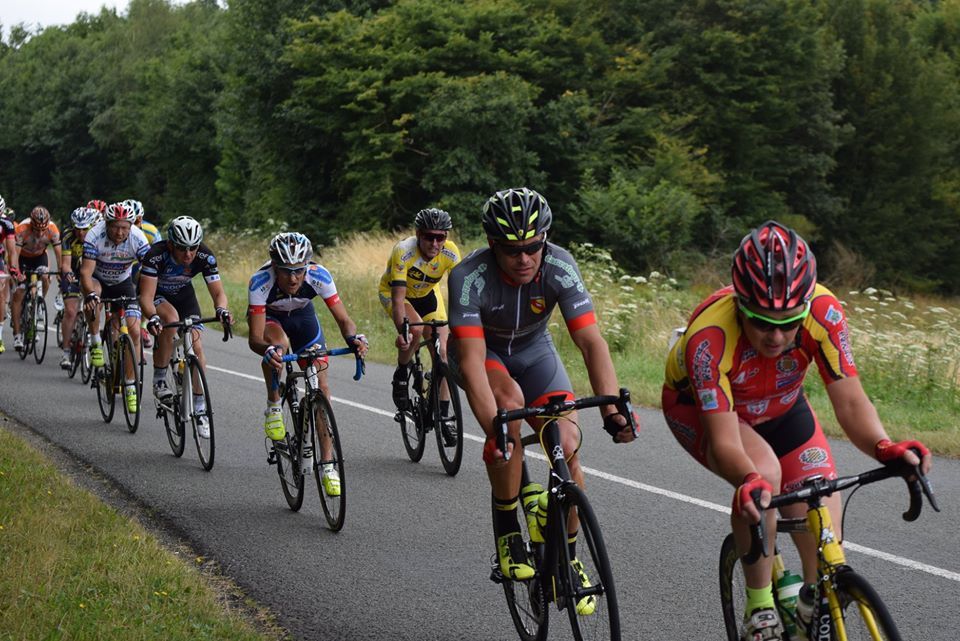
78 346
424 408
314 442
109 380
584 586
33 318
189 382
845 606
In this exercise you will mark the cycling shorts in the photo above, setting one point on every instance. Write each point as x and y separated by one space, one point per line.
68 289
184 301
32 263
123 288
301 326
795 437
429 307
536 368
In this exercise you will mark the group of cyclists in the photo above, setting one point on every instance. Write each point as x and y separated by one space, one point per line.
733 392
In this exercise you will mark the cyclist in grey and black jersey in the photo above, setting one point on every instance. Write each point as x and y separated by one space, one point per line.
501 299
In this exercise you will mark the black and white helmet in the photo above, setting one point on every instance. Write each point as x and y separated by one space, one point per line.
433 219
290 248
3 205
184 231
516 214
84 217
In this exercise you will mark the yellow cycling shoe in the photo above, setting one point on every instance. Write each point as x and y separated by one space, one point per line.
331 482
512 556
588 604
130 394
273 424
96 355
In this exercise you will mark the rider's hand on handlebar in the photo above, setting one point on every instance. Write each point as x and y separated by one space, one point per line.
17 274
224 316
273 356
359 344
743 501
887 451
617 426
492 453
91 301
155 325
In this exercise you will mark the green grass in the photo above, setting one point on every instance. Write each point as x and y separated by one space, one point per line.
907 351
73 568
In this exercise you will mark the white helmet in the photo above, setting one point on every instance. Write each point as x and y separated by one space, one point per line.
290 248
3 205
184 231
136 207
84 217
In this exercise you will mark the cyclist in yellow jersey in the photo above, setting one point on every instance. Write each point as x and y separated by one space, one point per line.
82 220
409 288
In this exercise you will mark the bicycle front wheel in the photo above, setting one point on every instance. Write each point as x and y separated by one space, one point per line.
132 417
39 330
733 590
865 617
412 420
288 457
58 326
591 598
26 327
105 378
86 368
75 345
328 470
528 604
448 424
205 441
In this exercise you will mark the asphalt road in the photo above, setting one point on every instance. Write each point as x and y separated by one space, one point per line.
413 559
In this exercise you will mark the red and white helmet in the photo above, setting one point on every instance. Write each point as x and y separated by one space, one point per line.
774 269
119 211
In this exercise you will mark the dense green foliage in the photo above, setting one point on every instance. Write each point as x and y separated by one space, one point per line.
661 129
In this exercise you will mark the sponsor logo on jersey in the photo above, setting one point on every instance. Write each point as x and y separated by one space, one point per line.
258 280
448 253
702 364
748 354
845 348
570 278
813 458
745 375
787 364
759 407
708 399
319 273
833 315
407 255
211 259
581 303
788 381
473 279
788 399
537 304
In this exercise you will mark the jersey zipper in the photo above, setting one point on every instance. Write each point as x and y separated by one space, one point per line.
516 324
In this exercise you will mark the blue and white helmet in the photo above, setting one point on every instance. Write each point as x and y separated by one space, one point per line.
290 248
84 217
136 207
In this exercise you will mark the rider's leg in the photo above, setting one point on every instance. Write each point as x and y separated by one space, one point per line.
18 295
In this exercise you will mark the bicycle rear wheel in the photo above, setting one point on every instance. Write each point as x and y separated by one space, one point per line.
39 330
127 356
58 326
205 445
288 458
412 419
174 426
733 590
448 425
75 346
334 505
86 368
592 601
26 327
865 617
105 380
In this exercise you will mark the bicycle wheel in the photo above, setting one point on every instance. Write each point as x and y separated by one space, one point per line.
105 380
865 617
733 590
527 602
174 426
288 458
591 601
205 445
127 356
86 368
58 326
449 424
39 330
335 505
412 426
26 326
76 356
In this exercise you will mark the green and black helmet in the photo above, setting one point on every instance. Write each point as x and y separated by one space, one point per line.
516 214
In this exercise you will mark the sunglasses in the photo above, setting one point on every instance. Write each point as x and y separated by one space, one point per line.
187 248
292 271
433 238
766 324
516 250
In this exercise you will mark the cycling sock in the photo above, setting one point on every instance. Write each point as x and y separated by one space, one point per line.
272 404
572 544
95 339
505 516
759 598
159 374
445 408
199 404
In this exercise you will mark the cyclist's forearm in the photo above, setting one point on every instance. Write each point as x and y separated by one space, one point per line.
479 395
599 364
398 297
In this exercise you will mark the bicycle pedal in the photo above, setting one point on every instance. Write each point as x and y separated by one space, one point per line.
272 457
496 575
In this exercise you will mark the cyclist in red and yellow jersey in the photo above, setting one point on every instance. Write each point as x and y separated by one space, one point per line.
33 236
733 395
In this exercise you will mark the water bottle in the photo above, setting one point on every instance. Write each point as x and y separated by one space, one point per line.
530 499
313 382
788 591
805 608
542 507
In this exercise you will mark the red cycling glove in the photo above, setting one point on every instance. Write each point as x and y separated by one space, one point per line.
741 497
887 451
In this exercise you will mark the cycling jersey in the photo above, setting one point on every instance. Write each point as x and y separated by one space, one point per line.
715 366
407 267
265 297
73 247
150 231
31 243
7 228
483 304
172 276
114 261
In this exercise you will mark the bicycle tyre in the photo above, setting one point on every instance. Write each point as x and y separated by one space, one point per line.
412 426
105 383
86 367
604 621
76 356
26 323
857 595
126 352
174 427
732 590
206 447
288 459
527 602
58 326
449 444
334 507
40 330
